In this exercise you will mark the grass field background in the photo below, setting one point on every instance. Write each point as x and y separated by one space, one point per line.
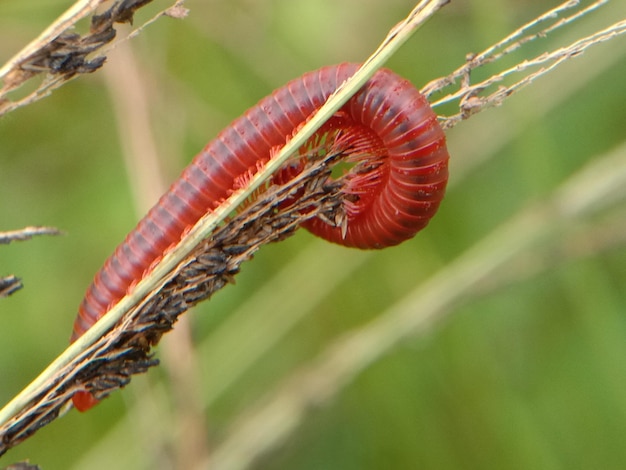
525 369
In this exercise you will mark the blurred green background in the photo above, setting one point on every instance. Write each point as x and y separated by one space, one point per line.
528 370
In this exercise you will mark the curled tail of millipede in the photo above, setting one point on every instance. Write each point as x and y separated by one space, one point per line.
395 186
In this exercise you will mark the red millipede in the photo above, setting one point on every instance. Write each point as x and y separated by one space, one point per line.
385 206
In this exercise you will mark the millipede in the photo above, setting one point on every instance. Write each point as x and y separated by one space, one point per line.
391 191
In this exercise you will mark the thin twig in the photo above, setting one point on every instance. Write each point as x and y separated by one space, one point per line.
11 284
512 40
473 98
27 233
469 101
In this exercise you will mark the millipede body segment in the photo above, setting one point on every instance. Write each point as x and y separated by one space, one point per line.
395 186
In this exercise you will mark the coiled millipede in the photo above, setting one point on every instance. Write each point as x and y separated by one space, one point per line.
406 171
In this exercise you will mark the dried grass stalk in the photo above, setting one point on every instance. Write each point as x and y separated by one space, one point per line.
471 98
109 363
61 55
